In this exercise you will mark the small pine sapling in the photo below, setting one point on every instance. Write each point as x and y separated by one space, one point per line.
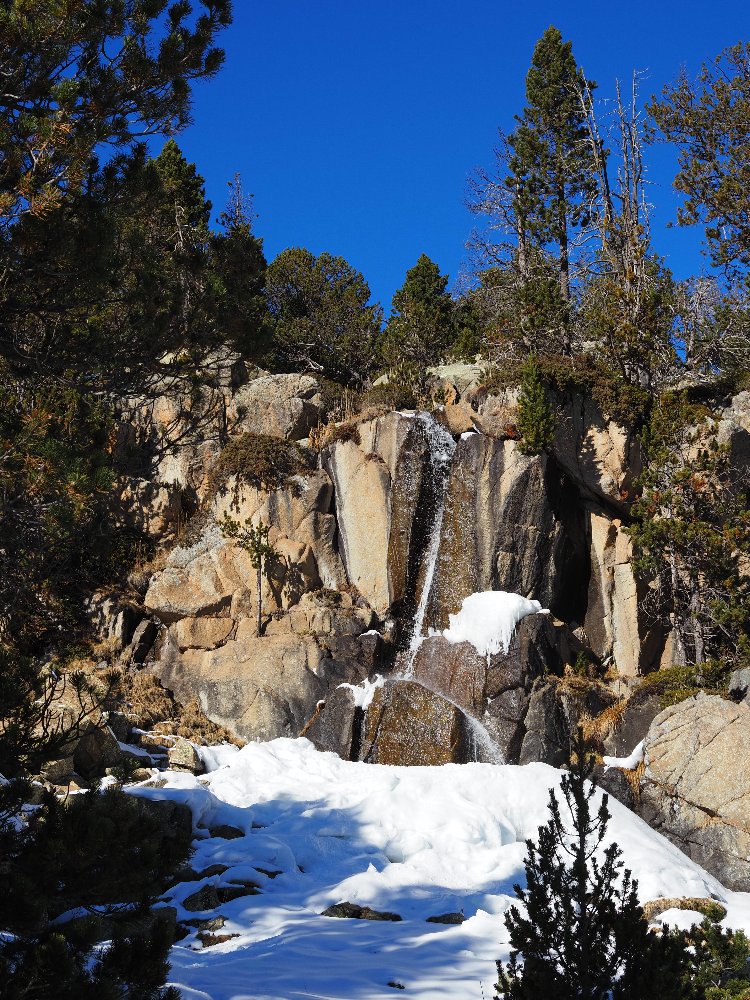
583 935
253 539
536 418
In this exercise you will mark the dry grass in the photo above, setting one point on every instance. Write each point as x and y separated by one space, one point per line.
708 907
150 706
598 728
325 435
634 776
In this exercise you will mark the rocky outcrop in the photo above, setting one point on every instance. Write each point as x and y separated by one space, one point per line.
496 690
169 437
285 406
512 522
261 687
600 456
696 784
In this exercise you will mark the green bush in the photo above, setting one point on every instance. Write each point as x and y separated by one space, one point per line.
675 684
259 460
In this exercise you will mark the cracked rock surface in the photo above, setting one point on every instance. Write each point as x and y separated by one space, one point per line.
696 785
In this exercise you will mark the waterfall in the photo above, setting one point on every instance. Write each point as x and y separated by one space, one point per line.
442 447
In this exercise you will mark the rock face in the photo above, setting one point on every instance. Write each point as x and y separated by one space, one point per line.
600 456
268 686
497 690
410 725
614 619
511 522
385 492
285 406
696 785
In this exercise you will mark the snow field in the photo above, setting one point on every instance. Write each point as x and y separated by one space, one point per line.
416 841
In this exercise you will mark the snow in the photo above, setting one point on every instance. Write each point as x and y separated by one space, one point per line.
418 841
488 620
626 763
364 693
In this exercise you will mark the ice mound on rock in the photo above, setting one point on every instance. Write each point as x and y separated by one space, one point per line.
488 620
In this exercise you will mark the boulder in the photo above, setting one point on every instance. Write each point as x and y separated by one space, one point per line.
285 406
696 784
556 707
183 756
739 684
734 431
97 750
202 633
407 724
357 912
497 689
268 686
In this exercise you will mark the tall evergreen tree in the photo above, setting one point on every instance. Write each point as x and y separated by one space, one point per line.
582 935
420 329
541 198
536 418
552 164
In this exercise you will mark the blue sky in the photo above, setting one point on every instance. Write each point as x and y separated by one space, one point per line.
356 125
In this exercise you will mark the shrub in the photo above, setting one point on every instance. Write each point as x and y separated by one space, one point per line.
109 854
536 419
675 684
260 460
393 396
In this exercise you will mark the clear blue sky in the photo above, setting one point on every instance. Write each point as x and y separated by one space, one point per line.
356 124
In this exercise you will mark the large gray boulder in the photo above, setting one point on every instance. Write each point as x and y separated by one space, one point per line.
285 406
696 785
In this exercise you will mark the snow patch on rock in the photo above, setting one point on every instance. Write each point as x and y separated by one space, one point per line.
489 620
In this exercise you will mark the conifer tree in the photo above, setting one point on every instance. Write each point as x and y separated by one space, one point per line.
582 935
322 318
536 418
552 163
420 328
690 531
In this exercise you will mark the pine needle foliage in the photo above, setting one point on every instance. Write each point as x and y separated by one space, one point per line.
582 935
536 418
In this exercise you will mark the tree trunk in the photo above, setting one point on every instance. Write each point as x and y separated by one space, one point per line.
258 581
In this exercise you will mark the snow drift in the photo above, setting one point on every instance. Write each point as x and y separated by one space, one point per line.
419 841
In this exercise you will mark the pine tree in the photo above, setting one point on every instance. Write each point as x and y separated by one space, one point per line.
253 539
583 935
322 318
536 418
553 165
690 531
420 329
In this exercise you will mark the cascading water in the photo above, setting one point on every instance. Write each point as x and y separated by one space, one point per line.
442 447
